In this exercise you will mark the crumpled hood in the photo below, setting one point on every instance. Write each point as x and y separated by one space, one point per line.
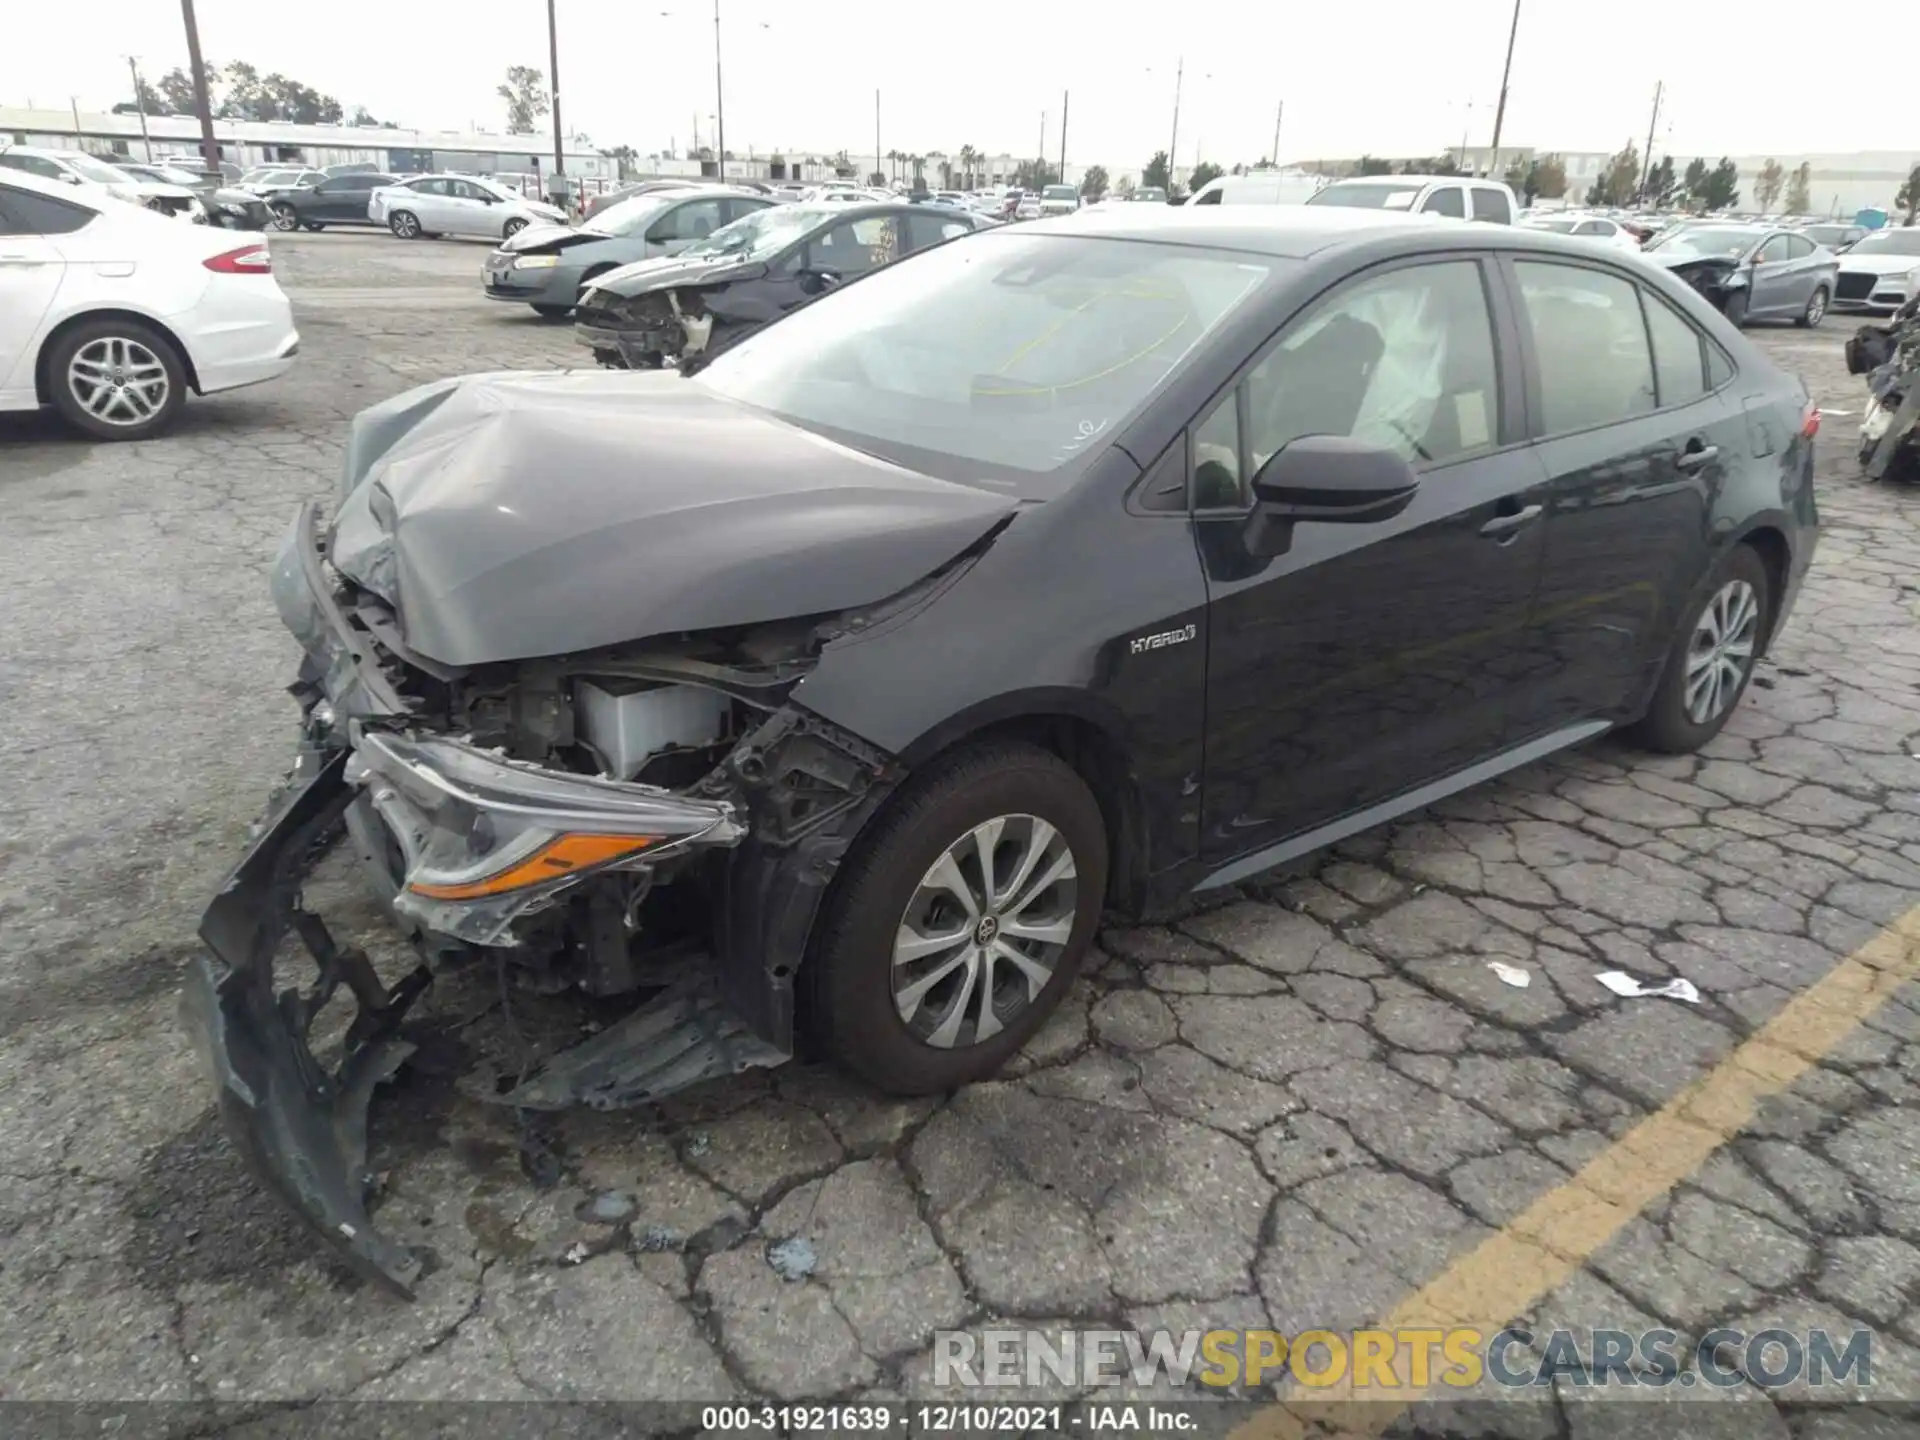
666 270
522 514
544 234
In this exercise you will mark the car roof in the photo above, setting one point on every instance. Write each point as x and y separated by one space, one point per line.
1296 232
40 185
1412 181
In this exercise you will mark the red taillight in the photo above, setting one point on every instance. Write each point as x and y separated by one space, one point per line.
1810 422
247 260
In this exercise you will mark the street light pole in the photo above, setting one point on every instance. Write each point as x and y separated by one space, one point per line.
1500 111
876 137
140 104
1276 133
1064 94
209 148
719 97
553 64
1180 69
1646 170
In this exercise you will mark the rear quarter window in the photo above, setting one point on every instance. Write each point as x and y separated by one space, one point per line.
22 212
1492 205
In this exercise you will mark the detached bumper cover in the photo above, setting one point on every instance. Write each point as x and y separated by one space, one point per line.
301 1130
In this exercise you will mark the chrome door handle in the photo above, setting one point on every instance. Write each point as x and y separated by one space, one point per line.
1694 459
1507 524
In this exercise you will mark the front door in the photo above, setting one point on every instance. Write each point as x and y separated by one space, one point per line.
1773 287
1369 658
1635 432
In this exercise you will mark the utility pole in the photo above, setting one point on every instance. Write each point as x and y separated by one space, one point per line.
1500 111
1276 133
1063 136
1179 69
553 63
1646 169
209 148
1041 155
878 169
140 104
719 98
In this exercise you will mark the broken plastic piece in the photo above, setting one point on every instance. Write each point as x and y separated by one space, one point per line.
1621 983
1511 974
793 1259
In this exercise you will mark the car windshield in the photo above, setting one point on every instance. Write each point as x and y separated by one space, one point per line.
1150 192
1558 227
1888 242
1387 195
629 216
1728 241
91 169
1058 192
998 362
762 234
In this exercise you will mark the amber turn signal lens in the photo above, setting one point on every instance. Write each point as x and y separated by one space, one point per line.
551 861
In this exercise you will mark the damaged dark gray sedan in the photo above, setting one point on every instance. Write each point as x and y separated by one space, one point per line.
819 701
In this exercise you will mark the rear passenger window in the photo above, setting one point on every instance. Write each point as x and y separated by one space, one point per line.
1491 205
1678 371
1446 201
22 212
1798 247
1403 359
1591 344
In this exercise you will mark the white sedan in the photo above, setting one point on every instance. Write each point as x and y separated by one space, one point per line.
430 205
111 313
1586 227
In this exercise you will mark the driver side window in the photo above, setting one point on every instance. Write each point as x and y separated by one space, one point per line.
1774 249
1404 360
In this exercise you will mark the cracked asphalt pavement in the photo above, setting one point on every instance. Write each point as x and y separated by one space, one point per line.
1293 1107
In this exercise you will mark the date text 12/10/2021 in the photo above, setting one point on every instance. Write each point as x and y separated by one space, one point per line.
1092 1419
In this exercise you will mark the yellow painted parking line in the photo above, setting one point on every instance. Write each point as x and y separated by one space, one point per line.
1540 1249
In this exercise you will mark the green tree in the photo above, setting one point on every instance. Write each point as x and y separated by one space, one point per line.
1125 188
1694 184
623 158
1723 186
1660 183
1908 198
1518 170
1619 181
176 88
1035 175
1799 188
1372 165
1768 184
362 116
146 100
1155 175
968 157
878 177
1093 184
1549 180
525 94
1203 172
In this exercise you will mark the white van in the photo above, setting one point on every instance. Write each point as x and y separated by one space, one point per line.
1262 187
1458 197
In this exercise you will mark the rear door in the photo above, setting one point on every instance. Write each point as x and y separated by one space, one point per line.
1808 268
1635 440
430 202
1369 658
31 269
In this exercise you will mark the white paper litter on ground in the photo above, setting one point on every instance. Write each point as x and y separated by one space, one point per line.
1621 983
1512 974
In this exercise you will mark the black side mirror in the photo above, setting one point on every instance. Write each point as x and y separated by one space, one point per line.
1333 479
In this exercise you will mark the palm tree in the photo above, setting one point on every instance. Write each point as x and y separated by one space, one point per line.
967 156
894 157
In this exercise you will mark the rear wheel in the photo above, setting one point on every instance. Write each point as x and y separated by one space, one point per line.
311 225
1816 310
553 312
405 224
960 920
1712 658
116 379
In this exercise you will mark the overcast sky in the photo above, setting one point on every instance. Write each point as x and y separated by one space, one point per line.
1361 75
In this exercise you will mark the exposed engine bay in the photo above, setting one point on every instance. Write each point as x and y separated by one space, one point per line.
1717 277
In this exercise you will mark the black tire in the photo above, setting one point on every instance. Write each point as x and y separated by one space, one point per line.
313 225
1735 309
553 312
72 405
512 228
1666 727
405 224
851 1012
284 218
1816 310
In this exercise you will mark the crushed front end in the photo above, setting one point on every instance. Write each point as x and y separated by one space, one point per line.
577 823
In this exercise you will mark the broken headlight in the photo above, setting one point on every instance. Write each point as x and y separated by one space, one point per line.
484 839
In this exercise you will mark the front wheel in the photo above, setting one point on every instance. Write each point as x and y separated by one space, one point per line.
313 225
1816 310
405 224
512 228
284 218
1712 658
960 920
553 312
1735 309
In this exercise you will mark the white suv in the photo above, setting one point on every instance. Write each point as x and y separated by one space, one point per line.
1457 197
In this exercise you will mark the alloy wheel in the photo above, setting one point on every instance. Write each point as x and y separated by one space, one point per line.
118 381
405 224
1817 307
284 218
1721 651
984 931
512 228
